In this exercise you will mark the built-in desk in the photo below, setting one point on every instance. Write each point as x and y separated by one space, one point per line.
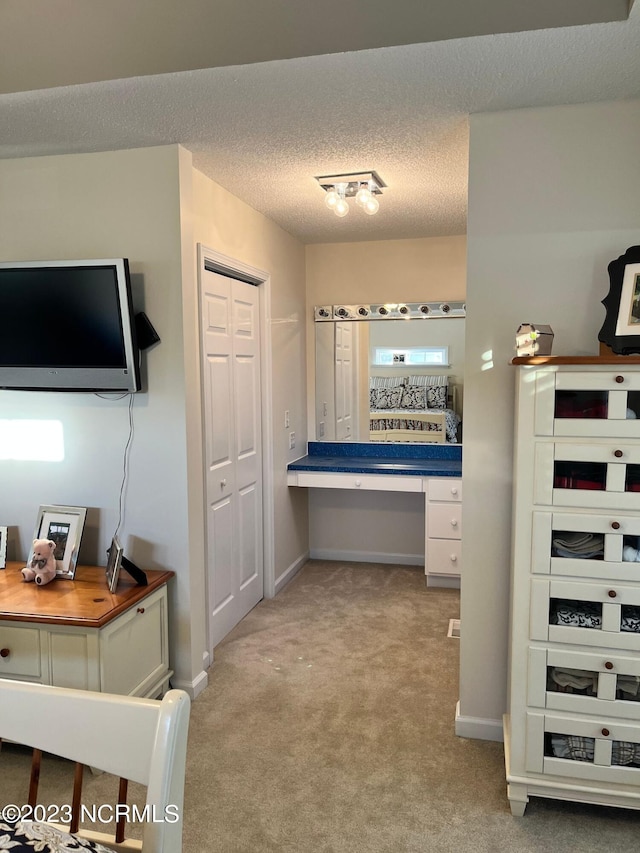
398 468
75 633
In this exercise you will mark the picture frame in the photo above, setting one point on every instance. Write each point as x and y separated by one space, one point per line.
621 328
64 525
4 533
112 571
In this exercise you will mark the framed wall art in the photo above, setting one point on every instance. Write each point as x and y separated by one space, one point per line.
621 328
63 524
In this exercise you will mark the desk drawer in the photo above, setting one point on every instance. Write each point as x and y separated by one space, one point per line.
445 489
19 652
444 521
364 482
444 556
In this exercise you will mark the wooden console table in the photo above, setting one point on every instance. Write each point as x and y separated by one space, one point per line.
75 633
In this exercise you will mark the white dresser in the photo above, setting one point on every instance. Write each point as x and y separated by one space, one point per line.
572 731
75 633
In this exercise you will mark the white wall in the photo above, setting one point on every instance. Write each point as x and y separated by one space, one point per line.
116 204
554 196
428 270
224 223
150 206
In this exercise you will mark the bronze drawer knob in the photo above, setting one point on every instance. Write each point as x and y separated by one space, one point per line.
615 525
140 610
4 653
612 593
619 379
605 732
618 454
608 665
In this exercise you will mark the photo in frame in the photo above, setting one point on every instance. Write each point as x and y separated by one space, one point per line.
4 532
621 328
112 572
64 525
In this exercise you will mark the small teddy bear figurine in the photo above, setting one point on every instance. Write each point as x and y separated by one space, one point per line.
42 567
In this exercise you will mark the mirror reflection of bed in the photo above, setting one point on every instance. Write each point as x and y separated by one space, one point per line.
374 381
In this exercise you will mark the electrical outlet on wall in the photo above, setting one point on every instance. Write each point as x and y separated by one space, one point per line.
292 440
321 429
287 421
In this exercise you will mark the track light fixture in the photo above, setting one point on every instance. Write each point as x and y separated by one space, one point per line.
362 186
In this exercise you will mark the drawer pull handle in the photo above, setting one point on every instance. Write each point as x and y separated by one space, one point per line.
140 610
358 483
223 483
454 523
615 525
619 379
454 491
608 665
605 732
618 454
454 558
4 653
612 593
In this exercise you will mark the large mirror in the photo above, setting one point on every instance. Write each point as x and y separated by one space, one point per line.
398 380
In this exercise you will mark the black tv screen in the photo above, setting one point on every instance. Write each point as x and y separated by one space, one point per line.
67 325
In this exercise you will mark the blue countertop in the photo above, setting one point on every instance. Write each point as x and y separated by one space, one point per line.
370 458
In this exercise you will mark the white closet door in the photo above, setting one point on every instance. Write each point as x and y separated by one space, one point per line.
231 380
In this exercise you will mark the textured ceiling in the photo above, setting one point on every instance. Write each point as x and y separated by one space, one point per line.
264 130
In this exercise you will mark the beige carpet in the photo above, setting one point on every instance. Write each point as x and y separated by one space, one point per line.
328 727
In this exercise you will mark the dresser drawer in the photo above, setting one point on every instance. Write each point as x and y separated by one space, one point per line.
444 521
588 403
19 652
444 556
595 748
445 489
586 545
587 475
591 614
584 682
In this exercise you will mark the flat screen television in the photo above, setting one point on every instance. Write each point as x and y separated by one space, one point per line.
67 326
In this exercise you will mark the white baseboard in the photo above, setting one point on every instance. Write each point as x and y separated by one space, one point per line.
444 581
478 728
289 574
366 557
193 688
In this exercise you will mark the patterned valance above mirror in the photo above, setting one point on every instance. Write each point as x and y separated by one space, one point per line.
389 311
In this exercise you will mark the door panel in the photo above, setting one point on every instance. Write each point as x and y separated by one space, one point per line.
231 385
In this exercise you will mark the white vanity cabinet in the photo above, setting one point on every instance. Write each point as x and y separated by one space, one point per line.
436 475
443 531
572 730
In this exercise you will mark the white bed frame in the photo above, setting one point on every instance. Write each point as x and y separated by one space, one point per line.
431 416
143 740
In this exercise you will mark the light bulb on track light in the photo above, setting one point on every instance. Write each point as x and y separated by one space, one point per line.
331 199
371 206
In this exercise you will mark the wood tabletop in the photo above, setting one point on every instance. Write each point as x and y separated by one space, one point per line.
84 601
